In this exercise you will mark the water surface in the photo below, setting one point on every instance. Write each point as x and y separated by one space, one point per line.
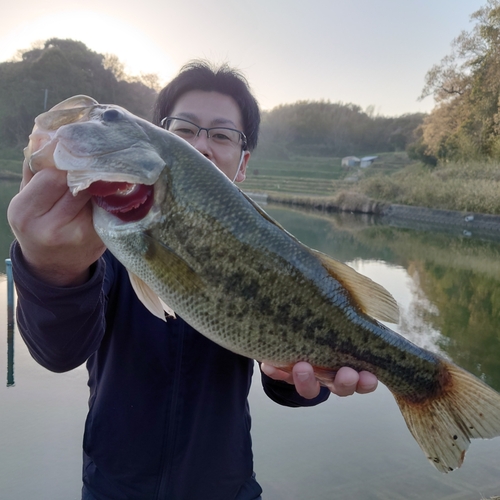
348 448
359 447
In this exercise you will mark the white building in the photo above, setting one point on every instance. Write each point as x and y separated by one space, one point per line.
350 161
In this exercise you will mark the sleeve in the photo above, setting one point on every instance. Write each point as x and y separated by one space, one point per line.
61 326
285 394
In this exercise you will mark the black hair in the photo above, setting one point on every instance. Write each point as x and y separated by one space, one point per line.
200 75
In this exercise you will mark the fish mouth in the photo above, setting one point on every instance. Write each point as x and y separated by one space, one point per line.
127 201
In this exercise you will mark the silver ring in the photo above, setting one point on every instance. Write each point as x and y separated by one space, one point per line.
31 168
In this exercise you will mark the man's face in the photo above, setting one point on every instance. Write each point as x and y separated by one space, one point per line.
212 109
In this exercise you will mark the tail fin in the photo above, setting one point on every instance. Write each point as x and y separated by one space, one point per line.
443 427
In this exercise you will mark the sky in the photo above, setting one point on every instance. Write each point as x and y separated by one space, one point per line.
373 53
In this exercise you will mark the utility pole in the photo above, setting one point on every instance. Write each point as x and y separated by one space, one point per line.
45 99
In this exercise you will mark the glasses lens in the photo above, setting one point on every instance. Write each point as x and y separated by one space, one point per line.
225 136
218 135
182 128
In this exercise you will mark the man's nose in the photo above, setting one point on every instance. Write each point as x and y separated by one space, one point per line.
202 143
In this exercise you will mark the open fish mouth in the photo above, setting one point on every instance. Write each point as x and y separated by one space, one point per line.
127 201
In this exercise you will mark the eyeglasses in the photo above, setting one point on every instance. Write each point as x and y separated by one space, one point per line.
221 136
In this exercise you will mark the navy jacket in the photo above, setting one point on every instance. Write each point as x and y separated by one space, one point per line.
168 412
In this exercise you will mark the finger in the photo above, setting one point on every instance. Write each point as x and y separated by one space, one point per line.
345 382
45 189
51 191
368 382
275 373
305 381
27 174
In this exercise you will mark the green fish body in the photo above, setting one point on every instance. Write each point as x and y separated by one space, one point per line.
195 245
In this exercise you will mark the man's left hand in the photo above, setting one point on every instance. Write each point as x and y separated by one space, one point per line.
347 381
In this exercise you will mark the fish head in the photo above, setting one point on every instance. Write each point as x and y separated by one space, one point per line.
105 149
94 142
39 149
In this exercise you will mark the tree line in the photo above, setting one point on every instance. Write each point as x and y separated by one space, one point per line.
56 69
59 69
323 128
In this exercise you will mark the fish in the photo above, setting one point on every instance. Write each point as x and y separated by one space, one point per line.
195 245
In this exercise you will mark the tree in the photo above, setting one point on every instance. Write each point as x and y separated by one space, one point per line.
466 88
63 68
323 128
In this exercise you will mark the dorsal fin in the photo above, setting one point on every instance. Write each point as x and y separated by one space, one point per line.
69 111
371 297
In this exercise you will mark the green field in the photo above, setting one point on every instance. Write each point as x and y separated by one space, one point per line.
305 176
392 178
314 176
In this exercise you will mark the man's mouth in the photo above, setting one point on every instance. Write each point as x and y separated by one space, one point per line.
129 202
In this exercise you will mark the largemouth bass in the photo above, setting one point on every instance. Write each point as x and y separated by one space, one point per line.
195 245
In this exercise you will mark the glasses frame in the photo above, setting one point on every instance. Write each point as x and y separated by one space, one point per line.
243 137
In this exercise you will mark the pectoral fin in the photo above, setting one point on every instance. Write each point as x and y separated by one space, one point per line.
151 301
373 298
173 271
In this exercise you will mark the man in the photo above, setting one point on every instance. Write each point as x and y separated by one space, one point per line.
168 413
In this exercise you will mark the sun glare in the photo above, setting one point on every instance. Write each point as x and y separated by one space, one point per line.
101 33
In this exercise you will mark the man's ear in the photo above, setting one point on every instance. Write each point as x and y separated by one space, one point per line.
242 172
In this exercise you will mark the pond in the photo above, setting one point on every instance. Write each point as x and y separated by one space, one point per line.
348 448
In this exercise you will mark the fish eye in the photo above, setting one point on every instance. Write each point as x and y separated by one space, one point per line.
111 115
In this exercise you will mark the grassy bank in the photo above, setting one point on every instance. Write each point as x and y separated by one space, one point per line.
323 183
468 186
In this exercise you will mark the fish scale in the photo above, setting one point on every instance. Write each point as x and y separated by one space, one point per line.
207 252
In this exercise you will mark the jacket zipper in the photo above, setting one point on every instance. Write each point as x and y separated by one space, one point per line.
170 441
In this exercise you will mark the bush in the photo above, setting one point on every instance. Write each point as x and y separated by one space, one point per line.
418 151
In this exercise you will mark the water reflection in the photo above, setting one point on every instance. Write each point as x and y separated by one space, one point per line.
414 306
448 291
41 422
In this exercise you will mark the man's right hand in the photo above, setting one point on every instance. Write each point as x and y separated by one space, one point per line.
54 228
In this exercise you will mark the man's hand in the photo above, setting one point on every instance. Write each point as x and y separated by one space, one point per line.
54 228
347 381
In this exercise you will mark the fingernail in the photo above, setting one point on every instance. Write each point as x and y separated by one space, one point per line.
302 376
268 369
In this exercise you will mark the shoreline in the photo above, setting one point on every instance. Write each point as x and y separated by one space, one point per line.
7 175
406 216
460 223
